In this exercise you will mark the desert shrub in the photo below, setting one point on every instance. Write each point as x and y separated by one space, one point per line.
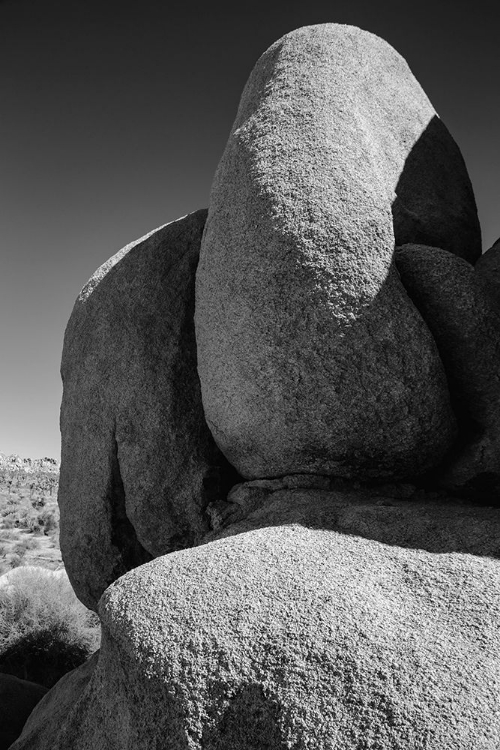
32 522
27 518
43 656
8 522
48 519
38 502
15 560
44 629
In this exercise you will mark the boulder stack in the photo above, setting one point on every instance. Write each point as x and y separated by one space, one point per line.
335 599
311 356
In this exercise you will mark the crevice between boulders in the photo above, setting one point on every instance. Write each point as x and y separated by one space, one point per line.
131 553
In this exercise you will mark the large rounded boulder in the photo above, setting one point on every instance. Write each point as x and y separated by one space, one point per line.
139 465
311 356
322 621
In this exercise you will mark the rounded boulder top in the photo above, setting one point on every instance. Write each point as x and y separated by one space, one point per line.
312 357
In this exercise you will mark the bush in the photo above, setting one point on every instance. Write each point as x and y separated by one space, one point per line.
38 502
43 656
28 519
45 631
47 518
15 560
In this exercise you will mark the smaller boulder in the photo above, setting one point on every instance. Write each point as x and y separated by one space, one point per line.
18 698
49 715
455 302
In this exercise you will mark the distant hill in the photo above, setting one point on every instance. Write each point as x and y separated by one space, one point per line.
37 475
29 465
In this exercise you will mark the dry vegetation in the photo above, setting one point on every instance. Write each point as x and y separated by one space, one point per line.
44 629
29 518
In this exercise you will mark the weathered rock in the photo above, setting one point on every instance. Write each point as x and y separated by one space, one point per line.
18 698
138 463
296 631
455 302
311 356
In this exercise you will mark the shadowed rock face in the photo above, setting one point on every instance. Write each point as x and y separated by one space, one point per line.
18 698
488 268
434 202
459 306
139 465
311 356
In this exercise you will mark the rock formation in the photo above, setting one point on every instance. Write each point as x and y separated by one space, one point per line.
455 302
17 700
313 606
139 465
308 634
311 356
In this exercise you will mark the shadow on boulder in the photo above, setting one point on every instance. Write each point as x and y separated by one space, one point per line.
249 722
434 204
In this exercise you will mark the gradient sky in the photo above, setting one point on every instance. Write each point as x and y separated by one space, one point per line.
114 114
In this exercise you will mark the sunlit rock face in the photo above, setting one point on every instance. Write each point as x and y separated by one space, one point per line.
311 356
298 634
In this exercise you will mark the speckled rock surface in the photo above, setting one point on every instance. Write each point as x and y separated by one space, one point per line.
311 356
299 629
138 462
17 700
456 303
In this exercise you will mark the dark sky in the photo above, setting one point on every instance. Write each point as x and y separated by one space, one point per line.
114 116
